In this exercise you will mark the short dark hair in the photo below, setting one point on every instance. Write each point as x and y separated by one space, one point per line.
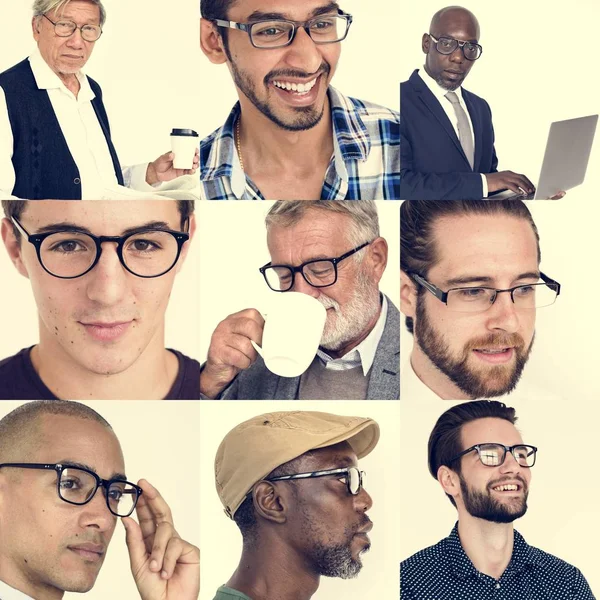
15 208
445 440
418 253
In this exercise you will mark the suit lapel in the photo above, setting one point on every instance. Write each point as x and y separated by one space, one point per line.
477 129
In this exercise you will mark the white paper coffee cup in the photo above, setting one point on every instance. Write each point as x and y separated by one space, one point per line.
183 145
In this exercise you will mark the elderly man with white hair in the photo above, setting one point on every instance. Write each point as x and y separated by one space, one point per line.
55 139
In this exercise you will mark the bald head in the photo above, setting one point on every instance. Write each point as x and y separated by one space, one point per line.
20 430
452 18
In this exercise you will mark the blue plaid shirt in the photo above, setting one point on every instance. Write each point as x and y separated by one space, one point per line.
445 572
365 164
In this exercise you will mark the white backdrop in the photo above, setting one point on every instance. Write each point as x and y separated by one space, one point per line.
537 67
21 329
232 239
220 537
564 357
165 455
154 76
563 516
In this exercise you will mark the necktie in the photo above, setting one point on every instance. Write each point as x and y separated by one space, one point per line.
465 135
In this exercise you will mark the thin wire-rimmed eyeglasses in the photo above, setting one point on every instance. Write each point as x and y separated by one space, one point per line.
277 33
352 476
319 272
69 253
494 454
447 45
77 485
65 29
481 298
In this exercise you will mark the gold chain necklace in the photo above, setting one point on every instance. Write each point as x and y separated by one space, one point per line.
238 142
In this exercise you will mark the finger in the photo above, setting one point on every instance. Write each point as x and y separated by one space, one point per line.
135 544
164 533
239 353
524 183
175 549
249 328
154 503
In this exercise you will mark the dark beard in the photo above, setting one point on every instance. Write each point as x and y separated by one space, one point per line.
307 117
483 506
474 384
336 561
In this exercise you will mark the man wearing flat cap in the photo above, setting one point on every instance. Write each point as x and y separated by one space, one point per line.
290 480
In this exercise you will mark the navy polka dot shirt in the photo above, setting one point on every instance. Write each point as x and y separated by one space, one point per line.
445 572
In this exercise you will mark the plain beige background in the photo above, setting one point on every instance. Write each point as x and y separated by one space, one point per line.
21 329
233 246
160 444
221 541
154 76
563 516
564 360
539 65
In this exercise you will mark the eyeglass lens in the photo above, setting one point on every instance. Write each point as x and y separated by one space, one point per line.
78 487
324 30
478 299
449 45
354 480
90 33
493 455
69 254
320 273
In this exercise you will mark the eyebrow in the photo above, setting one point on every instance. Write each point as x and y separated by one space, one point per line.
73 463
259 15
75 228
485 279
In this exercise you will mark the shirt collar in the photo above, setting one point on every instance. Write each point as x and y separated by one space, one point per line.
9 593
47 79
436 89
462 567
350 142
364 353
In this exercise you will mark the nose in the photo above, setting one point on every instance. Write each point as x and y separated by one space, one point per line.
364 500
457 56
302 286
303 54
75 40
510 464
503 314
107 281
96 514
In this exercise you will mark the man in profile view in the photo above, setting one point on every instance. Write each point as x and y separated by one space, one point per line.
290 481
62 488
482 464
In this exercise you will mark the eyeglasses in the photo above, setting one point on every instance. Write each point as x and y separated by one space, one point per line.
321 272
493 455
447 45
276 33
65 29
78 486
69 254
351 476
480 299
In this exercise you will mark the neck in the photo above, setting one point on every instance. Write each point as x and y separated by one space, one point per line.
265 145
149 377
21 583
274 572
433 378
488 545
71 82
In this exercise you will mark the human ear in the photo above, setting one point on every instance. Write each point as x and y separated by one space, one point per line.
425 43
378 254
186 246
211 42
408 295
449 481
269 503
13 247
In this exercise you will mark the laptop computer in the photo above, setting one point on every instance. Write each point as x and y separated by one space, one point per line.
566 159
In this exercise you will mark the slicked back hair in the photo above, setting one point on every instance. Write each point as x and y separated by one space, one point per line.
445 441
418 252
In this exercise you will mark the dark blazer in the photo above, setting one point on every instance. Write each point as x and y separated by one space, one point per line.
258 383
433 165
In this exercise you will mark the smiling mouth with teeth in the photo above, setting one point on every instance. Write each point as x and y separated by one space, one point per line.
506 488
297 88
492 351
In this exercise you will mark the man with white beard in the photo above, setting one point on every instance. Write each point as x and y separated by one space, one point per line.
359 353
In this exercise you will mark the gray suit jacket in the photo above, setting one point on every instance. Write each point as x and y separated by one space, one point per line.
258 383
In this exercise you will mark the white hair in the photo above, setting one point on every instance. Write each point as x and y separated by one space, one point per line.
42 7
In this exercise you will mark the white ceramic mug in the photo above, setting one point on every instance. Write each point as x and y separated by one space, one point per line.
183 145
293 328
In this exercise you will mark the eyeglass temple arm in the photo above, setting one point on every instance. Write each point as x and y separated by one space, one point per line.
443 296
547 279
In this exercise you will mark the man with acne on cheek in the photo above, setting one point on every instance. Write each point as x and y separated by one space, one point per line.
292 136
60 499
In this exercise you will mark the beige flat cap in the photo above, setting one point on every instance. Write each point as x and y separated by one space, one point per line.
252 449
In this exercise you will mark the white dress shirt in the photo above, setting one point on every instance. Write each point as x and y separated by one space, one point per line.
440 94
9 593
82 131
364 353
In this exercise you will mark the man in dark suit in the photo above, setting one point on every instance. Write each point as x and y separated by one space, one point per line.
447 137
